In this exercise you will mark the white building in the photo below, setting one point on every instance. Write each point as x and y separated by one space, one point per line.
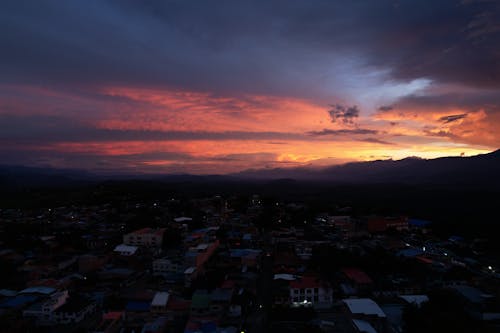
165 267
43 311
146 237
309 291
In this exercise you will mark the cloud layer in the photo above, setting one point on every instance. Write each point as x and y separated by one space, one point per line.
190 86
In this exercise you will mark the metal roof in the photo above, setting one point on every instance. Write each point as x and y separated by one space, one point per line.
363 306
160 299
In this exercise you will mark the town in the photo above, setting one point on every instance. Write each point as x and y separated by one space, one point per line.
238 263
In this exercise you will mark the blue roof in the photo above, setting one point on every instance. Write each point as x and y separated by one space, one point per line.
137 306
38 290
18 301
419 223
242 252
410 252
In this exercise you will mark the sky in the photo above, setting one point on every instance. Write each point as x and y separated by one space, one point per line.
215 87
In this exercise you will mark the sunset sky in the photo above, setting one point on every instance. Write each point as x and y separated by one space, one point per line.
222 86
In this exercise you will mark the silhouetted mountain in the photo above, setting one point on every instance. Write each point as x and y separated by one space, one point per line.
22 176
480 170
474 170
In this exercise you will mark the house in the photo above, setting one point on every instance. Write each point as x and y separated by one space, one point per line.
74 310
146 237
42 312
310 291
167 267
358 279
197 256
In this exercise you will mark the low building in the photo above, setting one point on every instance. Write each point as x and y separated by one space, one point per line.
146 237
74 310
43 311
166 267
310 291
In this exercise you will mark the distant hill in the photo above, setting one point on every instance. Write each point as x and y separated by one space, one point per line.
475 170
479 171
22 176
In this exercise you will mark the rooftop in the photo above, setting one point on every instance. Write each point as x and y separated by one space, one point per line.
160 299
357 276
38 290
363 306
305 282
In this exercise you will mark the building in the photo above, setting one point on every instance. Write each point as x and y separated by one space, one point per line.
197 256
309 291
43 312
366 315
146 237
167 267
74 310
358 279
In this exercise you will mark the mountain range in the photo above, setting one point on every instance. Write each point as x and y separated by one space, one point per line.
480 170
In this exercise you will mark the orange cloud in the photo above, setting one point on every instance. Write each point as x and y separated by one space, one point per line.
184 110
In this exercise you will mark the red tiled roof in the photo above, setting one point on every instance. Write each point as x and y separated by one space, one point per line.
424 260
112 315
357 276
305 282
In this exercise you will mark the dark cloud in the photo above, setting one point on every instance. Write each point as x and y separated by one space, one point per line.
277 47
375 140
488 100
343 114
452 118
436 132
51 129
356 131
385 108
